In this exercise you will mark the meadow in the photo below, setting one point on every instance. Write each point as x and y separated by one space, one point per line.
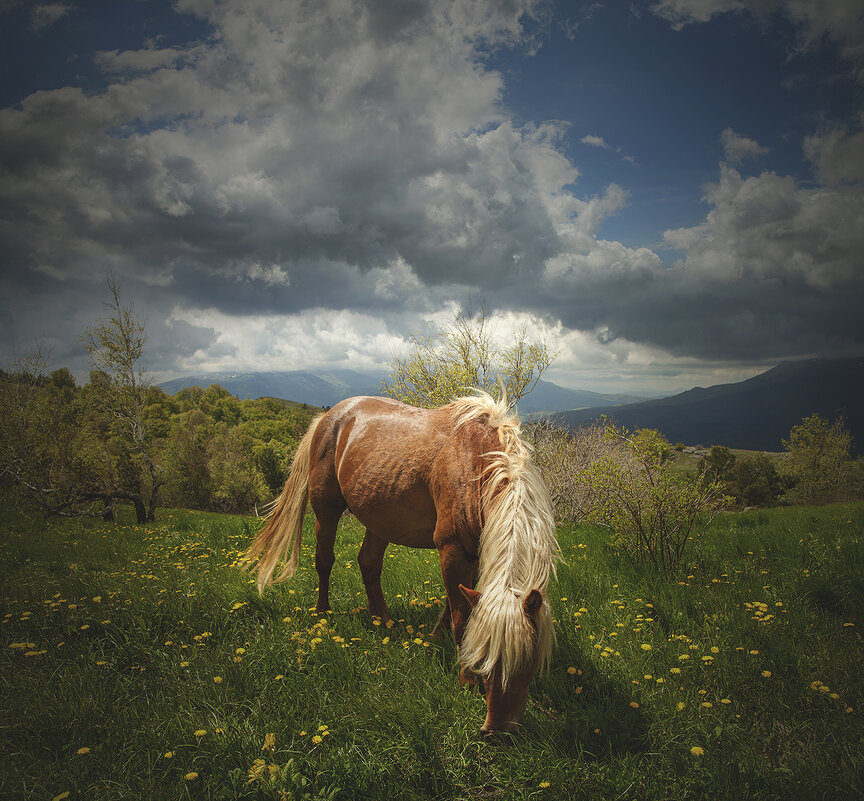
140 662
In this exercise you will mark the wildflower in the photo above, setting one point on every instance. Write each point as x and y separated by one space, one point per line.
191 776
239 650
571 670
707 704
200 732
675 670
279 677
645 646
766 674
697 751
217 679
725 701
680 705
544 784
269 742
168 755
184 664
316 739
83 750
64 794
634 705
715 649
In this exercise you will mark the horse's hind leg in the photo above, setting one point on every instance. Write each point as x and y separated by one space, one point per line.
325 537
371 560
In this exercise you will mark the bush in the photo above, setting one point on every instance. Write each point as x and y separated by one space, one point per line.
651 511
561 456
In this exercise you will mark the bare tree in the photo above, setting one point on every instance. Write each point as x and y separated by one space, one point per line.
116 345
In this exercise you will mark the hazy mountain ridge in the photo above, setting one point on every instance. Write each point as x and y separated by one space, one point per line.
328 388
755 414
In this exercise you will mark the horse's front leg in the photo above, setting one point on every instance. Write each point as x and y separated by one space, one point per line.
371 561
457 567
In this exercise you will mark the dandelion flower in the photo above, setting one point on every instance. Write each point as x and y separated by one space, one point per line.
168 755
316 739
680 705
725 701
675 670
191 776
634 705
83 750
279 677
766 674
217 679
200 732
544 784
697 751
269 742
645 646
571 670
63 795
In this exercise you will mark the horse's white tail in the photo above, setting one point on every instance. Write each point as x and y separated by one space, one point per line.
285 521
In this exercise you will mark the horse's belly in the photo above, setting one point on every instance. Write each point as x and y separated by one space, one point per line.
407 519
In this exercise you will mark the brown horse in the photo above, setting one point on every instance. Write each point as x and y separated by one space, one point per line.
459 479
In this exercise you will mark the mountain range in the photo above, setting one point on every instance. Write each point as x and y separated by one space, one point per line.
328 388
756 414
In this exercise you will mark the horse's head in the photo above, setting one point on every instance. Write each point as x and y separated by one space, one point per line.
507 692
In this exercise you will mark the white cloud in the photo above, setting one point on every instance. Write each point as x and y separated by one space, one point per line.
737 148
44 15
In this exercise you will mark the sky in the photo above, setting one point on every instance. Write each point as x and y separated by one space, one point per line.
668 192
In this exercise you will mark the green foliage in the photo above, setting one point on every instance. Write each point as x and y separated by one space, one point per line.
112 636
651 512
464 356
818 457
749 481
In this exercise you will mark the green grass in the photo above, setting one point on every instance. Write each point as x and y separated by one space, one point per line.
112 636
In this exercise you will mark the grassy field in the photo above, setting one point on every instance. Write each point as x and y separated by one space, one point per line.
138 662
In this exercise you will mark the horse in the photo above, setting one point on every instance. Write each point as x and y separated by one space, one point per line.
459 479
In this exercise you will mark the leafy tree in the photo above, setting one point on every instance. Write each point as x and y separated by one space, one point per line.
754 481
116 346
651 512
464 355
818 455
717 463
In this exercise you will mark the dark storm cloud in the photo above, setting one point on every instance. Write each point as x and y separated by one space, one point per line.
358 166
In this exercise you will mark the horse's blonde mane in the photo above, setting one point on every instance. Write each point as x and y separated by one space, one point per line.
517 549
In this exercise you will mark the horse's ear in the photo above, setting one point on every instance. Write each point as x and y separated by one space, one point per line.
532 603
472 596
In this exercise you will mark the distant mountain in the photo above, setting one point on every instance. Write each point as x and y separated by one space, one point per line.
328 388
756 414
316 389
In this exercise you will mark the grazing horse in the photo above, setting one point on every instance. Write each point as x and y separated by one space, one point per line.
459 479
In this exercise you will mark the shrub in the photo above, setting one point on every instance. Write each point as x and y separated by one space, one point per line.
651 511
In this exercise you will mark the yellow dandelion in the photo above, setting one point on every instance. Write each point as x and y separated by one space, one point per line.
680 705
200 732
63 795
239 650
191 776
83 750
634 705
269 742
184 664
279 677
766 674
571 670
645 646
697 751
675 670
168 755
715 649
725 701
217 679
544 784
707 704
316 739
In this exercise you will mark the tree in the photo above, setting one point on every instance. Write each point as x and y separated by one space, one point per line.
754 481
462 356
51 451
116 346
819 459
